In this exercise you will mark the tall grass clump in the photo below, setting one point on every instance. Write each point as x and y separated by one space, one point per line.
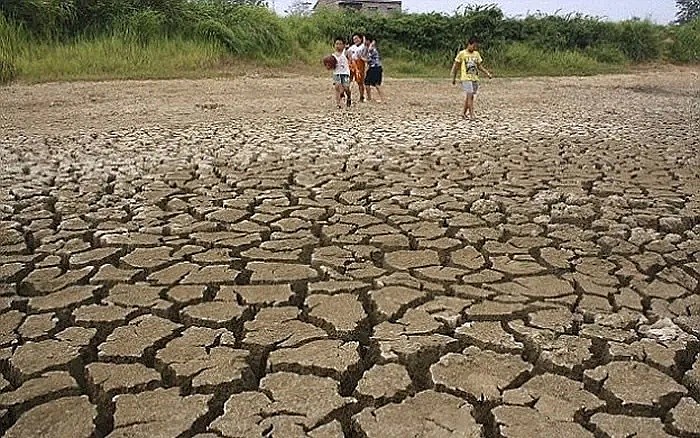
639 40
116 57
527 59
685 42
11 41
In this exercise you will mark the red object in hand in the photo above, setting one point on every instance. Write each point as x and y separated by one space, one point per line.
330 62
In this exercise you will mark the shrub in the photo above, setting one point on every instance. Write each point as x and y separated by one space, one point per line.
685 45
8 72
639 40
144 26
606 53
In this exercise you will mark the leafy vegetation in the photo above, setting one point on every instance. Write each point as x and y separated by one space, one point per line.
76 39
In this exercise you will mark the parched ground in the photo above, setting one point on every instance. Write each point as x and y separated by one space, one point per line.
236 258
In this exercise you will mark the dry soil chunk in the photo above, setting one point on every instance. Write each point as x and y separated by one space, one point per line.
261 295
148 258
130 342
427 414
275 273
480 374
545 286
219 274
214 314
554 396
9 323
412 339
524 422
405 260
691 379
621 426
112 275
390 301
489 335
33 358
50 385
37 326
559 320
96 257
186 294
328 358
151 414
561 353
468 258
310 397
136 295
686 417
112 379
337 313
243 415
67 298
97 315
447 310
197 356
279 326
384 382
517 267
66 417
252 414
621 385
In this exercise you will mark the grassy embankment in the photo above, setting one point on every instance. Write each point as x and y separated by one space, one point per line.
124 39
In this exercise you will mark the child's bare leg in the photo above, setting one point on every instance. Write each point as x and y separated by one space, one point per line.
470 99
466 106
369 93
381 94
339 95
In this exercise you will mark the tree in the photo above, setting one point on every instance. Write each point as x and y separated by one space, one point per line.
688 10
300 7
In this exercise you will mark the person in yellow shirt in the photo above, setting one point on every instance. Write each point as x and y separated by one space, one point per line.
468 62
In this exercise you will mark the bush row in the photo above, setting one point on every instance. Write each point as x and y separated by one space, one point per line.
246 29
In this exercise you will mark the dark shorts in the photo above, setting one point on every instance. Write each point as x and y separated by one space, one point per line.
374 77
343 80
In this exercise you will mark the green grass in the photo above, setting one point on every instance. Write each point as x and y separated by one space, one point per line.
216 38
117 58
524 60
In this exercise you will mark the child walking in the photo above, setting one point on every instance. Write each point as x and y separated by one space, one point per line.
469 63
341 74
357 53
375 72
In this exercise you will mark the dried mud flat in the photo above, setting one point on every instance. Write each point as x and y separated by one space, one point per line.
236 259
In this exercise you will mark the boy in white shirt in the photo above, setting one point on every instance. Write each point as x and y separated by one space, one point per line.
341 74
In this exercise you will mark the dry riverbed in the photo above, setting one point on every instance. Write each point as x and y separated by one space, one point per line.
236 258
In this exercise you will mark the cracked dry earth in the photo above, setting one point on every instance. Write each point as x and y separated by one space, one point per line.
230 259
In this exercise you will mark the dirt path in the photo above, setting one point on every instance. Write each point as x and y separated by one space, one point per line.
237 258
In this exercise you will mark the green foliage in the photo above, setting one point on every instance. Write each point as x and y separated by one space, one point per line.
606 54
144 26
685 45
109 57
10 42
522 58
414 44
638 40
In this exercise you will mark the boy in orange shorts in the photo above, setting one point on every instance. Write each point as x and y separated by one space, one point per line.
358 65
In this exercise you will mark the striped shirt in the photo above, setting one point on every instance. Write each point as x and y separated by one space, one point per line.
374 59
